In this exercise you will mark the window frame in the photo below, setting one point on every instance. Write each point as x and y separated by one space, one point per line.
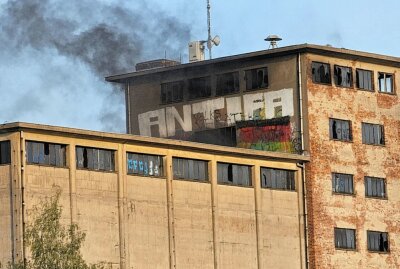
358 79
30 144
381 134
369 248
207 90
375 179
167 87
336 190
392 89
256 70
5 145
313 76
350 135
236 83
336 78
346 247
290 182
112 159
206 178
160 167
232 182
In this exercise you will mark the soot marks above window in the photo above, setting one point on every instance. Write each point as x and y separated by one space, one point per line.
227 83
340 129
321 73
172 92
343 76
95 159
46 153
256 78
199 87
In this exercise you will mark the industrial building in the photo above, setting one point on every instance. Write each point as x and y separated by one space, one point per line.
340 107
147 202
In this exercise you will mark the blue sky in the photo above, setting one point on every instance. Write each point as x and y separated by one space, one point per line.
55 53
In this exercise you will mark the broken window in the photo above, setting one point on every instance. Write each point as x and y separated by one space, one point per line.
277 179
5 152
321 73
234 174
145 164
95 159
375 187
227 83
345 238
373 134
343 76
46 153
342 183
256 78
190 169
364 80
199 87
340 129
385 82
172 92
378 241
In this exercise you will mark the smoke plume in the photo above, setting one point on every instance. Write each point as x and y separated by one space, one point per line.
56 53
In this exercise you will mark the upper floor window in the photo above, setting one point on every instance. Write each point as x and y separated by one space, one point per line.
375 187
190 169
5 152
373 134
199 87
234 174
46 153
145 164
343 76
378 241
364 80
385 82
256 78
342 183
340 129
227 83
321 73
277 179
95 159
172 92
345 238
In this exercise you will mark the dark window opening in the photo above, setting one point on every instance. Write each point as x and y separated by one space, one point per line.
190 169
172 92
145 165
378 241
199 87
227 83
342 183
375 187
345 238
256 78
321 73
95 159
234 174
343 76
46 153
373 134
385 82
364 80
5 152
340 129
277 179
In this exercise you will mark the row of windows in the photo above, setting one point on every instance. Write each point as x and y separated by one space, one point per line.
376 241
343 77
227 83
372 134
374 186
152 165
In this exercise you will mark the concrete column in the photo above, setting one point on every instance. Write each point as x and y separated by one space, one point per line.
170 209
71 162
302 234
121 168
214 200
258 211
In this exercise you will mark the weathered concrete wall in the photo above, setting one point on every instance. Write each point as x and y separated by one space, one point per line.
328 210
5 215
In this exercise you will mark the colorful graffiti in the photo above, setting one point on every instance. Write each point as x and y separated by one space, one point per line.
268 135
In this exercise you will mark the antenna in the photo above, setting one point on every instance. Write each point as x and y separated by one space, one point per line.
273 41
211 41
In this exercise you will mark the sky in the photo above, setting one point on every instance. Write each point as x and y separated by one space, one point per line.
54 54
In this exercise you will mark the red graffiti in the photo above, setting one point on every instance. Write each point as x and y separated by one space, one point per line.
274 133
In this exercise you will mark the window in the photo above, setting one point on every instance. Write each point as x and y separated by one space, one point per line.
256 78
190 169
343 76
375 187
46 153
321 73
199 87
172 92
385 82
378 241
277 179
340 129
345 238
234 174
95 159
364 80
342 183
5 152
373 134
145 165
227 83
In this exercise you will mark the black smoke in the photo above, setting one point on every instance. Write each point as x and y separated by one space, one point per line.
55 55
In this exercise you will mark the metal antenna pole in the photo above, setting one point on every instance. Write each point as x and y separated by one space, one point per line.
209 45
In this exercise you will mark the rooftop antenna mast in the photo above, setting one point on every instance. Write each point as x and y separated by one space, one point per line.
211 41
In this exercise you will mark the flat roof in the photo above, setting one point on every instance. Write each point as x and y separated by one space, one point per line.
270 53
152 141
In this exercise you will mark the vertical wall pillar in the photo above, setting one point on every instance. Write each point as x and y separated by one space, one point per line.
121 168
302 216
170 208
258 212
72 181
214 206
